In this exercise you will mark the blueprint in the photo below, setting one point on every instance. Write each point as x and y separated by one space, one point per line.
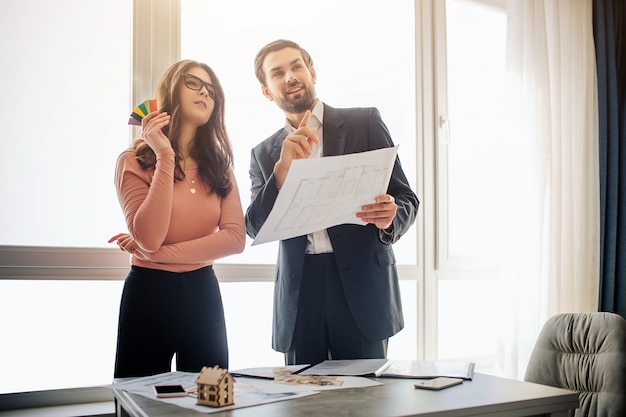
322 192
245 395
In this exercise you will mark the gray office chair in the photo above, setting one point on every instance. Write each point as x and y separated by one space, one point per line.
586 353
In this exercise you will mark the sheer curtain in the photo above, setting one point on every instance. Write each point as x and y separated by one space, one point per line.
550 193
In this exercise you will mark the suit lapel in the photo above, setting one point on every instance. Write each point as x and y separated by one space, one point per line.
277 144
334 132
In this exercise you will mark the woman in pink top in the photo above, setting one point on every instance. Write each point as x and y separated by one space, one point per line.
181 202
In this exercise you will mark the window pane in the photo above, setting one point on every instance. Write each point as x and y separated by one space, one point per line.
57 334
66 89
248 311
250 335
476 73
466 318
363 54
476 37
403 345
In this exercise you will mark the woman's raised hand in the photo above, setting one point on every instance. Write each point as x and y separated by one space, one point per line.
151 132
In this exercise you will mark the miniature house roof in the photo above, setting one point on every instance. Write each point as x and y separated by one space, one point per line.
211 376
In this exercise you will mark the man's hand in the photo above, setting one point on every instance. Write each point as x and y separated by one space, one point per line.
381 213
297 145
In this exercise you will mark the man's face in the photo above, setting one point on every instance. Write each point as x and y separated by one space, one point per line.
288 81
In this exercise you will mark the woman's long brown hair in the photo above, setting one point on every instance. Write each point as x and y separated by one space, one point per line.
210 148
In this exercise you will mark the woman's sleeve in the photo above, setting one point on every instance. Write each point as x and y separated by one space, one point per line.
147 203
228 240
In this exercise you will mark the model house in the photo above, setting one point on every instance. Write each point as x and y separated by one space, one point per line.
215 387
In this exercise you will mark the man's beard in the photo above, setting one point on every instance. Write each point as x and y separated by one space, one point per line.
299 105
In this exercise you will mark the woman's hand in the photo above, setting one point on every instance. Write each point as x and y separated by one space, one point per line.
151 132
125 242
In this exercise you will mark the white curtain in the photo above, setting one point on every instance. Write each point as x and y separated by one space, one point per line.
550 194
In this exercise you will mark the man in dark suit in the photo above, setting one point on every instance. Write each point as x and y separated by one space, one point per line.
336 293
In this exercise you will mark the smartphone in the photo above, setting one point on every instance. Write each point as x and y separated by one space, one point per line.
438 383
169 391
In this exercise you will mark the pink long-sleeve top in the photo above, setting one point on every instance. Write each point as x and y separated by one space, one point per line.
176 230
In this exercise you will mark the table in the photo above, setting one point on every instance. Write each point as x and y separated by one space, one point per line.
485 395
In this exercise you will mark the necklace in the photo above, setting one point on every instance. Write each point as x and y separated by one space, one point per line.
192 185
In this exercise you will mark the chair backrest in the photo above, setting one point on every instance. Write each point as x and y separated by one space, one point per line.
586 353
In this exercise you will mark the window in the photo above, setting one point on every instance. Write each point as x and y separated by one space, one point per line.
57 334
71 92
470 114
66 120
66 84
59 281
363 55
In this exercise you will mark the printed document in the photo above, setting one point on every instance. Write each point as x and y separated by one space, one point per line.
322 192
245 395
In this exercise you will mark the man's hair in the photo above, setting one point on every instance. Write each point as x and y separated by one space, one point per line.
277 45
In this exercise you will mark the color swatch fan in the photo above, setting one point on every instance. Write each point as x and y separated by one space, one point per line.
141 111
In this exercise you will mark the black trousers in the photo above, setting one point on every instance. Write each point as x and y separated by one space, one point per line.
325 328
164 313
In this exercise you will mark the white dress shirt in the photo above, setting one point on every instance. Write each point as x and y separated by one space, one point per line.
317 242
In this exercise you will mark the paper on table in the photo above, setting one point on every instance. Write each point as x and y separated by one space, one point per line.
393 368
322 192
245 394
273 387
268 372
353 367
429 369
268 379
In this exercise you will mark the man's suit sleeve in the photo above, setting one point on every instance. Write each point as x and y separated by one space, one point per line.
263 191
399 187
407 203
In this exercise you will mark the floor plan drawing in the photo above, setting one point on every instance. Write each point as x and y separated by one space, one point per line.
322 192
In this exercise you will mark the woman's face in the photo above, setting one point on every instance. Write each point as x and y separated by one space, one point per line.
197 97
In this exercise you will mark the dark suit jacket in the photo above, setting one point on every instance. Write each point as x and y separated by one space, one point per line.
365 258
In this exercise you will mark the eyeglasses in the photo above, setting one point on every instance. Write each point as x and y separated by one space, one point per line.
194 83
